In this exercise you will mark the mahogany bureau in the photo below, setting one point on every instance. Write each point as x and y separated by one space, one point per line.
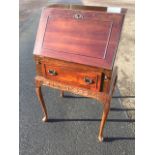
75 50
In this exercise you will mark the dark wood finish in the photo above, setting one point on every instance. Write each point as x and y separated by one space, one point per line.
75 51
92 39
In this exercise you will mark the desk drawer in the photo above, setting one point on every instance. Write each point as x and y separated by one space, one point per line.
77 77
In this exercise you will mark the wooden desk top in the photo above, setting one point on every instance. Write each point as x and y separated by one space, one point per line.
80 34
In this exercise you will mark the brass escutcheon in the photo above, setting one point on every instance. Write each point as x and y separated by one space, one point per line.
78 16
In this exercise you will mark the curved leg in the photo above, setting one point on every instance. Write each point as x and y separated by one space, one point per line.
104 118
42 103
106 110
62 93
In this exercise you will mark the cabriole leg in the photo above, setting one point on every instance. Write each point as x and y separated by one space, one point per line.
106 108
41 101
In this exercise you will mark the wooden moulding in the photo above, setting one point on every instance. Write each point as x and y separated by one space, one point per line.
100 96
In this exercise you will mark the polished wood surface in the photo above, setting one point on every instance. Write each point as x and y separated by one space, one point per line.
75 51
92 37
86 79
84 35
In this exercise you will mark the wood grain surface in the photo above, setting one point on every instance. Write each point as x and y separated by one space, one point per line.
82 36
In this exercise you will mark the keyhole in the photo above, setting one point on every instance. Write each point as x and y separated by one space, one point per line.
78 16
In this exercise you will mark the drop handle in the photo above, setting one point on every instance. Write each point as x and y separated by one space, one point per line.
88 80
52 72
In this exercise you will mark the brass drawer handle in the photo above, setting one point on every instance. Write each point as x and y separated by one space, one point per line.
52 72
88 80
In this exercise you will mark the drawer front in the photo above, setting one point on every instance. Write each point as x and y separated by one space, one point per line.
77 77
